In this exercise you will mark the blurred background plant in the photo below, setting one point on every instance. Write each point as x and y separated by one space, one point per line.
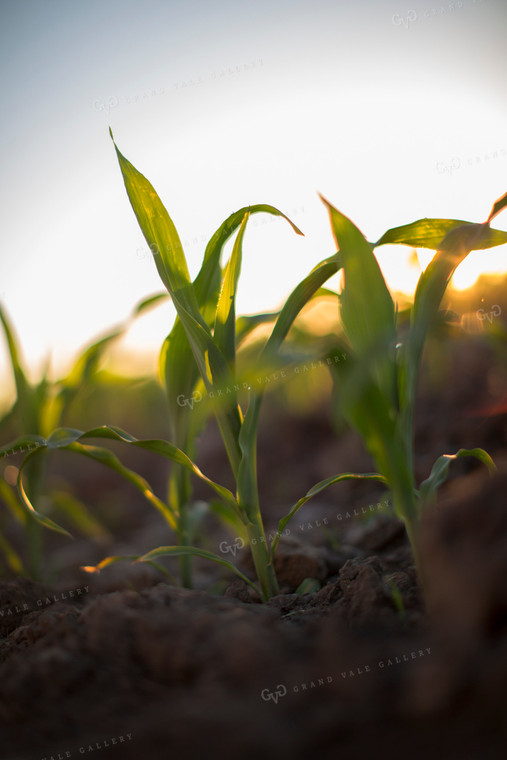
38 408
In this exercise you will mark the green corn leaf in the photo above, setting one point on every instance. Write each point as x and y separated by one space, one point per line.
106 457
22 445
316 489
308 586
367 409
178 551
430 290
26 407
366 307
148 303
39 517
451 251
225 321
68 438
302 293
245 325
127 558
229 517
396 596
440 470
54 409
208 281
163 239
429 233
248 496
179 374
498 206
177 365
160 233
208 355
300 296
108 561
87 363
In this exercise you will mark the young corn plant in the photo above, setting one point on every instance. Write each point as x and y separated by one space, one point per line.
39 408
200 349
378 382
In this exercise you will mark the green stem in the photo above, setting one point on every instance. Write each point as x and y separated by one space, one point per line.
407 509
248 500
180 490
260 555
185 539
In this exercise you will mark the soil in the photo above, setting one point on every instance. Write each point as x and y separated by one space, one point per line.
122 665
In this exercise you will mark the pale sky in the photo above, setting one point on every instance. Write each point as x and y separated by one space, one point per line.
392 114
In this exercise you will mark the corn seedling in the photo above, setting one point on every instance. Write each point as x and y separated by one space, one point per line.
39 408
377 385
201 349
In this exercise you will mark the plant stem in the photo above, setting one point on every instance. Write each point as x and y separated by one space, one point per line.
260 555
185 539
406 508
180 490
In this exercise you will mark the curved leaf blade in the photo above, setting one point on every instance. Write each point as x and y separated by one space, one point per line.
207 282
429 233
26 405
67 437
39 517
440 471
108 561
178 551
498 206
302 293
224 333
316 489
366 306
159 230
